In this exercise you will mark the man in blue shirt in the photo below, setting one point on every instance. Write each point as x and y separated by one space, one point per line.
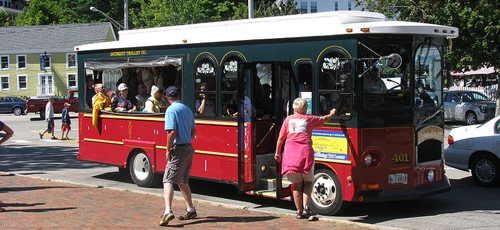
180 128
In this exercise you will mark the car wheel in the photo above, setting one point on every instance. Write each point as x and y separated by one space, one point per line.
42 114
326 195
470 118
485 170
17 111
141 170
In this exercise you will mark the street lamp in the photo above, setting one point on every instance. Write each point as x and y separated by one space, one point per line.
115 23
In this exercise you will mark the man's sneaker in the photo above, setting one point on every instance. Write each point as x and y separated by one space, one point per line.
41 135
166 218
54 138
188 215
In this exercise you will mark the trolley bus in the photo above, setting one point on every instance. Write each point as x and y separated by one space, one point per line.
385 142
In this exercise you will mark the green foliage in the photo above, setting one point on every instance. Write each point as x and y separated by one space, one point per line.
5 19
40 12
477 21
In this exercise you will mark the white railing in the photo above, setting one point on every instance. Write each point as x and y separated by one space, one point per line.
490 91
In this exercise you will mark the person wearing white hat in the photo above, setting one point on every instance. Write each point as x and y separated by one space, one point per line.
122 103
154 103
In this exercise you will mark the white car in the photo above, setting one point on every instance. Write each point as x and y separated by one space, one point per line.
476 148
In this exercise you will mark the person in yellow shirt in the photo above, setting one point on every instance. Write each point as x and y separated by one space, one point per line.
99 102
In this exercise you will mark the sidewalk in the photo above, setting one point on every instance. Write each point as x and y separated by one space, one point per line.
41 204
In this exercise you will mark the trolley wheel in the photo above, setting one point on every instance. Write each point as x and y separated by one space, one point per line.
17 111
326 195
485 170
141 170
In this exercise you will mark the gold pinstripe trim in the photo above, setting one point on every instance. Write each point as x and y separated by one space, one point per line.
162 119
234 52
214 122
330 47
206 152
216 153
128 117
196 59
103 141
302 59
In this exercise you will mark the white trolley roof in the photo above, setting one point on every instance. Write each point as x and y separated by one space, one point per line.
293 26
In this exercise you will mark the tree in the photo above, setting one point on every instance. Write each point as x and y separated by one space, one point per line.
479 37
39 12
5 19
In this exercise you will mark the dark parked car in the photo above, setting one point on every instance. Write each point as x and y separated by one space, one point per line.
470 107
14 105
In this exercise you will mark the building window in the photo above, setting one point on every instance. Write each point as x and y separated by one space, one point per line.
336 6
72 83
45 61
21 61
314 7
22 82
71 60
46 84
4 83
303 7
349 6
4 62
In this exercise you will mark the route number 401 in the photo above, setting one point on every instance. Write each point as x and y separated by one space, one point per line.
400 158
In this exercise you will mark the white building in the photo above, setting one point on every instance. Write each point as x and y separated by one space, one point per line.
314 6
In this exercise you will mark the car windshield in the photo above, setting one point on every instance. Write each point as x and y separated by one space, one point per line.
472 96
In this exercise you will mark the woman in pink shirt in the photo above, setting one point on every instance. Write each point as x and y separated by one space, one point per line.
294 150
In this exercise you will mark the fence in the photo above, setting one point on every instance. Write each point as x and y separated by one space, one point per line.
490 91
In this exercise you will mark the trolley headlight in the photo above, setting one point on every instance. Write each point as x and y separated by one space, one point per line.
430 175
368 159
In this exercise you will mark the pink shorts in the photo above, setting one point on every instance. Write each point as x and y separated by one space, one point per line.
65 126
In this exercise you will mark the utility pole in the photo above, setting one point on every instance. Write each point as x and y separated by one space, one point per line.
250 9
125 14
497 112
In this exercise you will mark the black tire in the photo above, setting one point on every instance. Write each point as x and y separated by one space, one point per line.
326 196
42 114
141 170
486 170
470 118
17 111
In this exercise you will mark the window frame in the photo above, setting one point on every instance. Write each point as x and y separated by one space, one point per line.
25 62
76 80
67 61
49 61
19 82
315 4
1 83
204 58
343 96
239 58
1 62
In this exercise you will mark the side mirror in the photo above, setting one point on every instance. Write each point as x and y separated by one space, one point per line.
393 61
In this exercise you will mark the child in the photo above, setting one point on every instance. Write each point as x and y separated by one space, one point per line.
66 122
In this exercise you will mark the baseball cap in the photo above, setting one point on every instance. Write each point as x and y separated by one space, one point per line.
172 91
122 86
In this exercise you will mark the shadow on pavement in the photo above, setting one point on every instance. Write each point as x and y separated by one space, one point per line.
20 189
218 219
36 159
478 198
